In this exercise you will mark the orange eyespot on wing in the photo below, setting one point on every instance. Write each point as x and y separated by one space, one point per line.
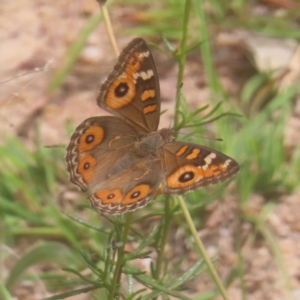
190 175
184 176
188 167
131 91
123 161
86 167
137 194
123 90
113 201
121 93
110 196
92 137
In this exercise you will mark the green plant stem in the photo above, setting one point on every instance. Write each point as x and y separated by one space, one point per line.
44 232
4 292
206 51
163 238
201 249
181 61
120 260
240 265
2 241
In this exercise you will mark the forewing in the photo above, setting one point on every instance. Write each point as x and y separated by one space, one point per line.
131 90
187 167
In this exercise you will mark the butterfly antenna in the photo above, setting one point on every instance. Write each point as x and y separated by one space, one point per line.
191 134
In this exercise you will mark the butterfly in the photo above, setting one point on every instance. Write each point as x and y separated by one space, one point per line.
122 161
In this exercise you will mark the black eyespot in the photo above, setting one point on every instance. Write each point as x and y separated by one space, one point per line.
134 62
187 176
86 165
110 196
135 194
121 90
90 138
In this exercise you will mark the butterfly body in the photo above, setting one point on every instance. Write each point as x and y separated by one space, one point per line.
122 160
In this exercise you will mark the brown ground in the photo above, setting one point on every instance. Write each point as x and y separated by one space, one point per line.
36 34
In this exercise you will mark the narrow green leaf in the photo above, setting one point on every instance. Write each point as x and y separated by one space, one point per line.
49 251
74 51
72 293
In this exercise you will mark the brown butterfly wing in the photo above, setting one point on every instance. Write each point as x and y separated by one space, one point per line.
128 190
131 90
189 166
106 155
95 147
101 159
